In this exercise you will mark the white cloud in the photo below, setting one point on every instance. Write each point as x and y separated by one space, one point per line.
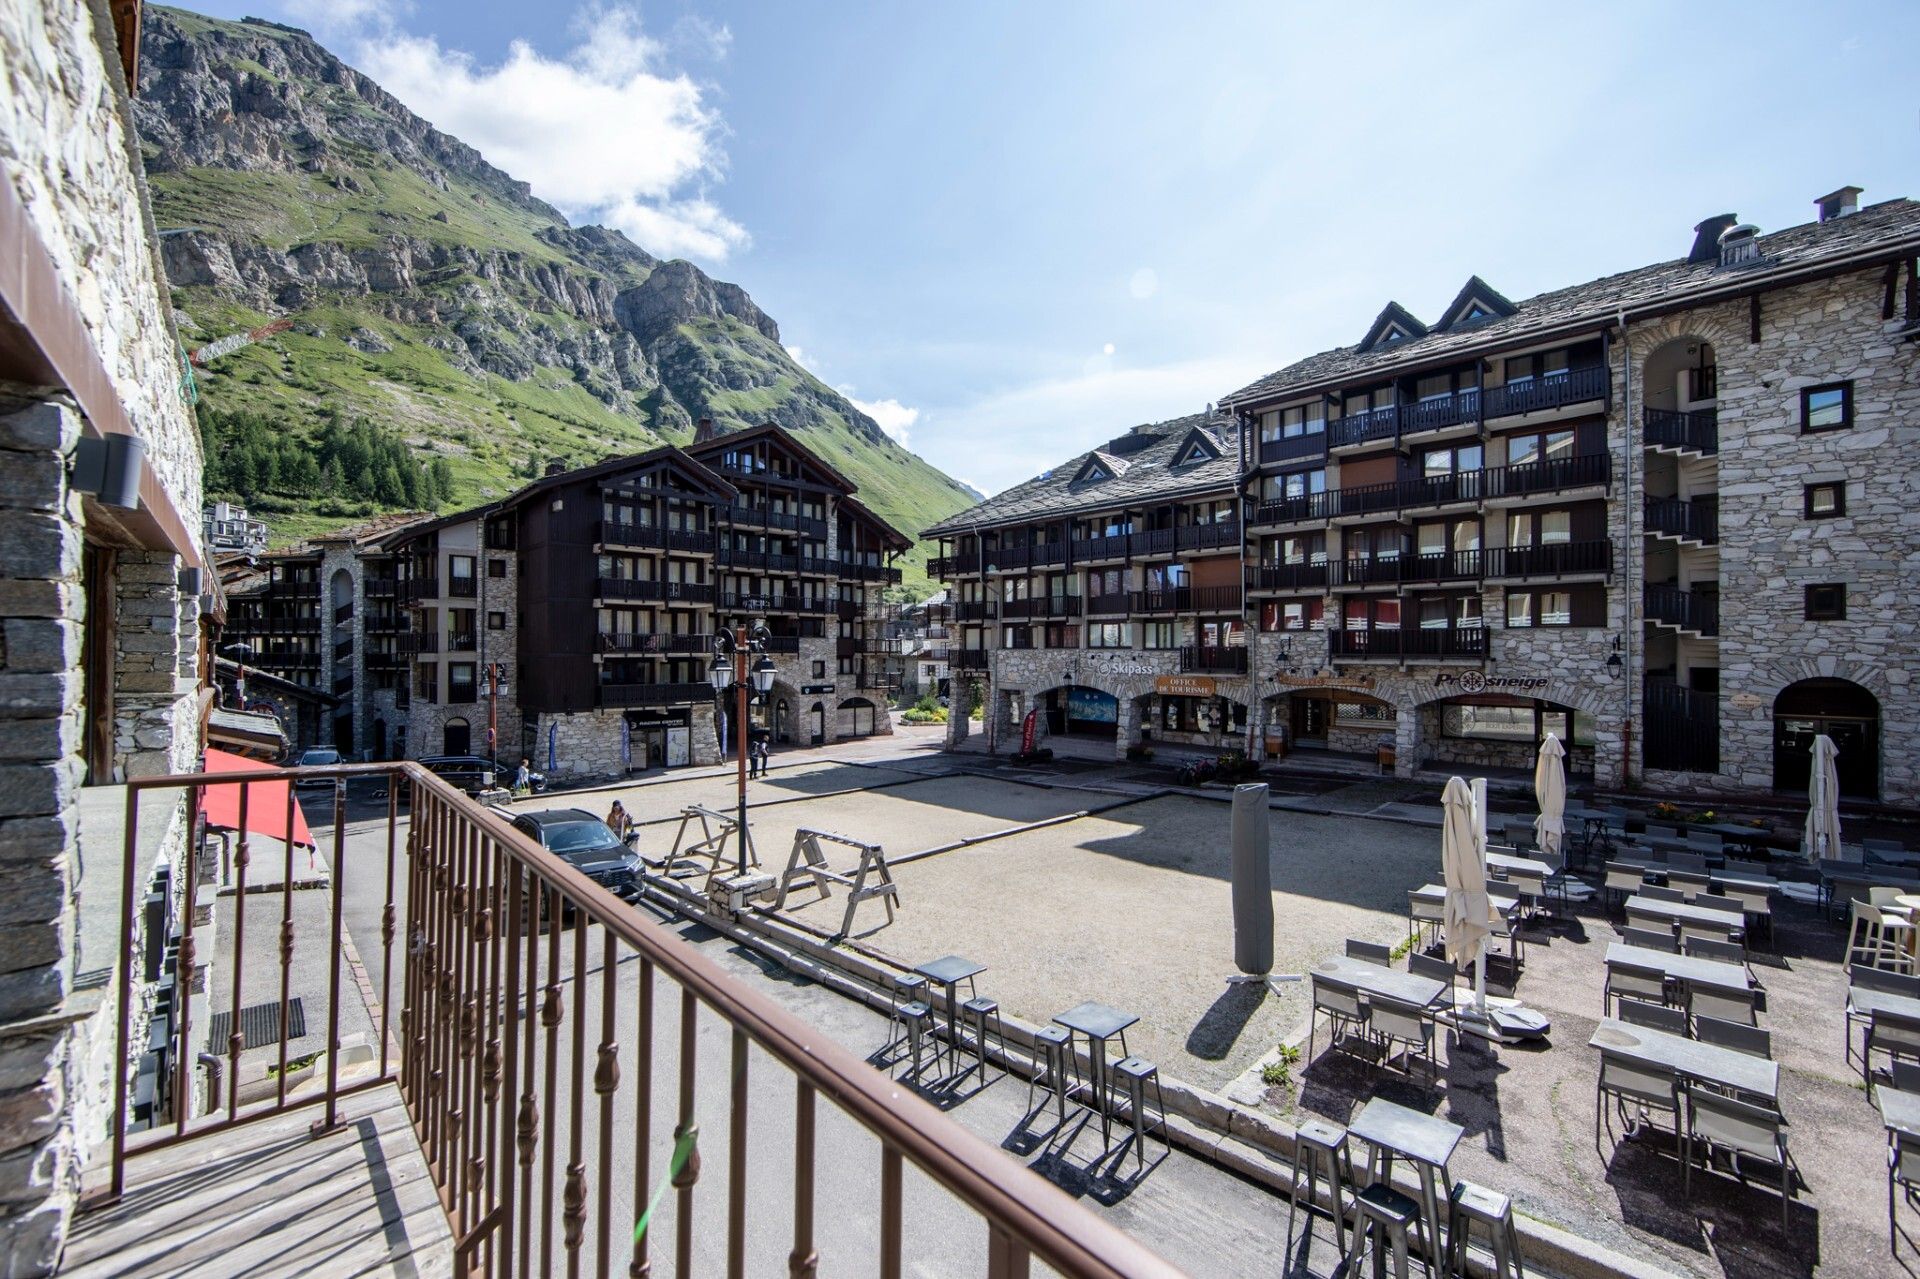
604 131
802 359
1144 284
894 417
333 17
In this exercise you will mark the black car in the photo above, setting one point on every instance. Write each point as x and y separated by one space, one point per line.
476 773
587 844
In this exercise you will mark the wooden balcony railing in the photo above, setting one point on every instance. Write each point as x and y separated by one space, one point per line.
1554 559
652 536
1685 610
1225 661
1437 641
1693 520
646 643
1690 431
1287 577
969 659
637 588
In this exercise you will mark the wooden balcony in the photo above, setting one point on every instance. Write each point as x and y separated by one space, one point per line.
1554 559
653 537
1682 431
1689 520
686 594
1694 612
1438 642
1213 661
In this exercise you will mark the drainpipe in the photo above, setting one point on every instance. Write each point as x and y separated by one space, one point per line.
1631 635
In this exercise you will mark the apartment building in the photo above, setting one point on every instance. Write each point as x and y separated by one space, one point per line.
1666 515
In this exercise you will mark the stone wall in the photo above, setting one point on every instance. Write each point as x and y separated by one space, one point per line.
587 743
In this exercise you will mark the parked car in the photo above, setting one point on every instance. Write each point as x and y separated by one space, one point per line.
588 844
316 757
471 772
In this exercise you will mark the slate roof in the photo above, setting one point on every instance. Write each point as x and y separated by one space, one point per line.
1141 472
1892 227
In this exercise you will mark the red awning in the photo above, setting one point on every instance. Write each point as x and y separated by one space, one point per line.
266 802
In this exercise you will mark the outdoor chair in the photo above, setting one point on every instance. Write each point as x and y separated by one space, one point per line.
1423 916
1136 1074
1531 885
1640 917
1903 1171
1689 883
1662 832
1470 1203
1878 939
1520 835
1372 952
1381 1221
1631 981
1876 979
1632 1085
1624 879
1738 1128
1317 1141
1727 1005
1650 939
1713 930
1638 1012
1435 968
1735 866
1906 1076
1342 1008
1502 927
1756 905
1694 863
1725 952
1054 1062
1655 893
1393 1022
1894 1034
1754 1041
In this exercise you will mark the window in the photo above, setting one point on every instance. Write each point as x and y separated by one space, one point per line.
496 621
1295 485
1545 446
1522 369
1106 634
1539 528
1452 460
460 682
460 574
1826 408
1160 635
1827 602
1308 419
1825 501
819 670
1293 615
1363 714
1539 608
496 568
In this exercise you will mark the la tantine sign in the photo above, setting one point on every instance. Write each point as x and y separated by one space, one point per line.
1184 685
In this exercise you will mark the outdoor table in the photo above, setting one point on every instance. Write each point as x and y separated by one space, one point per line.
948 972
1836 874
1679 912
1098 1023
1695 972
1867 1002
1593 821
1505 896
1426 1141
1373 979
1689 1058
1675 844
1899 1111
1511 861
1750 837
1742 879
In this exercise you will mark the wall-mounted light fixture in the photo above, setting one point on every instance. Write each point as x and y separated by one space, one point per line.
1614 664
110 467
190 580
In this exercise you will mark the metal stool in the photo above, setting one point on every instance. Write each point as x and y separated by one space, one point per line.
1380 1209
1471 1203
1053 1058
908 988
982 1017
916 1023
1313 1141
1138 1072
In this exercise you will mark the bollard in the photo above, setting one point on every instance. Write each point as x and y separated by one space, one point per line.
1252 882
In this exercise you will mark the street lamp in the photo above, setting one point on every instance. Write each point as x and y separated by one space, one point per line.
729 670
1613 660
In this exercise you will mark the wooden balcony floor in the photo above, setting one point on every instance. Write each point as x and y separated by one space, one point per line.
268 1199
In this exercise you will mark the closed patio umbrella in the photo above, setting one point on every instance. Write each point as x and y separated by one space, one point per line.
1822 836
1463 862
1550 791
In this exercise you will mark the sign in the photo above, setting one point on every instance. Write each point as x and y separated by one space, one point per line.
679 747
1324 681
1027 730
1745 701
1475 682
1091 706
1184 685
816 690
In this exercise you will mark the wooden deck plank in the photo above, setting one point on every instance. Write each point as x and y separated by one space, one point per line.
268 1199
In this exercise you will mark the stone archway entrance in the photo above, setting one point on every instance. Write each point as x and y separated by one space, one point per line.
1077 710
1333 719
1843 711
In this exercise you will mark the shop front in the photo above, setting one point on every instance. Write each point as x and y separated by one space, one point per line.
1080 711
1503 730
658 737
1190 710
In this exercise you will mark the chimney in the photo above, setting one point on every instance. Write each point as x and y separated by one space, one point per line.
1706 237
704 431
1740 245
1838 204
556 466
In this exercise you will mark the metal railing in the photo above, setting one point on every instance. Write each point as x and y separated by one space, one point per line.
548 1050
1695 520
1551 559
1694 430
1687 610
1230 661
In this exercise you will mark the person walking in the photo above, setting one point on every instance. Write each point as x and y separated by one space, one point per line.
523 779
619 822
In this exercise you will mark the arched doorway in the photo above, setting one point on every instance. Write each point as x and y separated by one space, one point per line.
856 717
457 738
1842 710
1328 718
379 737
818 714
1077 710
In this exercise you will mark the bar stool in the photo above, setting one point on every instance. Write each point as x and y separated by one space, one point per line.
909 989
1470 1203
1053 1058
1385 1212
916 1021
982 1017
1137 1073
1314 1140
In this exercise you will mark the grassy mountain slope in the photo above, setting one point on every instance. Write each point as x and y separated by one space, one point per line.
434 295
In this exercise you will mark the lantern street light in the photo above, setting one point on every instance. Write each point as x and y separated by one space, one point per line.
751 686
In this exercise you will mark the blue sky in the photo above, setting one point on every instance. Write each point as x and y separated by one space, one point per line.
1012 231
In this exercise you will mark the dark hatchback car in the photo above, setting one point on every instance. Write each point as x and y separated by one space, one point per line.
587 844
471 773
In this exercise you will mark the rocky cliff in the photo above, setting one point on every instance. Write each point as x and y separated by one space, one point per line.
434 293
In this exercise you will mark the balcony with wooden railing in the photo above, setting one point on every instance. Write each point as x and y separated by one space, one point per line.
969 659
1435 642
654 537
1310 575
1697 612
1695 519
1040 606
648 643
1550 559
648 589
1683 430
754 517
1213 661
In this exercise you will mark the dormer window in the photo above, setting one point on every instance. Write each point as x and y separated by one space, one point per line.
1476 303
1093 471
1393 325
1197 449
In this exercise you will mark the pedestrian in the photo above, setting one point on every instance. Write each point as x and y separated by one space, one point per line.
618 822
523 780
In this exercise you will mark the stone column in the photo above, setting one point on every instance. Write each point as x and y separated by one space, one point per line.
1126 726
1406 741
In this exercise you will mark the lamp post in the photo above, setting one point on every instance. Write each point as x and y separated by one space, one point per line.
729 669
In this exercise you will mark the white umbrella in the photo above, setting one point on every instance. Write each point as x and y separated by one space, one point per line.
1463 861
1822 837
1550 790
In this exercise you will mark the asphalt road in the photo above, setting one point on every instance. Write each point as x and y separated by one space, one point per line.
1204 1219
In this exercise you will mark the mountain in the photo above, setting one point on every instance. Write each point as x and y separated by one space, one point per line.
434 297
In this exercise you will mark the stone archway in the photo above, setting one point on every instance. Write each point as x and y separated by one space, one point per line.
1840 710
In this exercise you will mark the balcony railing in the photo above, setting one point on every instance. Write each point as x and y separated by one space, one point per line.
777 602
868 572
1689 430
654 694
342 613
415 589
1185 599
1686 610
1041 606
644 588
1108 605
1088 549
462 642
1386 570
1033 555
1435 641
772 561
969 659
245 626
950 566
1225 661
976 610
1683 728
1693 520
753 517
1555 391
462 588
617 533
1554 559
1289 447
1363 428
419 642
380 587
1287 577
342 649
1553 475
648 643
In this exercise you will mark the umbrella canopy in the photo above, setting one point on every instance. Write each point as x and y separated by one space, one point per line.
1463 860
1550 790
1822 837
266 802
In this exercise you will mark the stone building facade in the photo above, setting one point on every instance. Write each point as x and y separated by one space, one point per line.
102 580
1666 516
